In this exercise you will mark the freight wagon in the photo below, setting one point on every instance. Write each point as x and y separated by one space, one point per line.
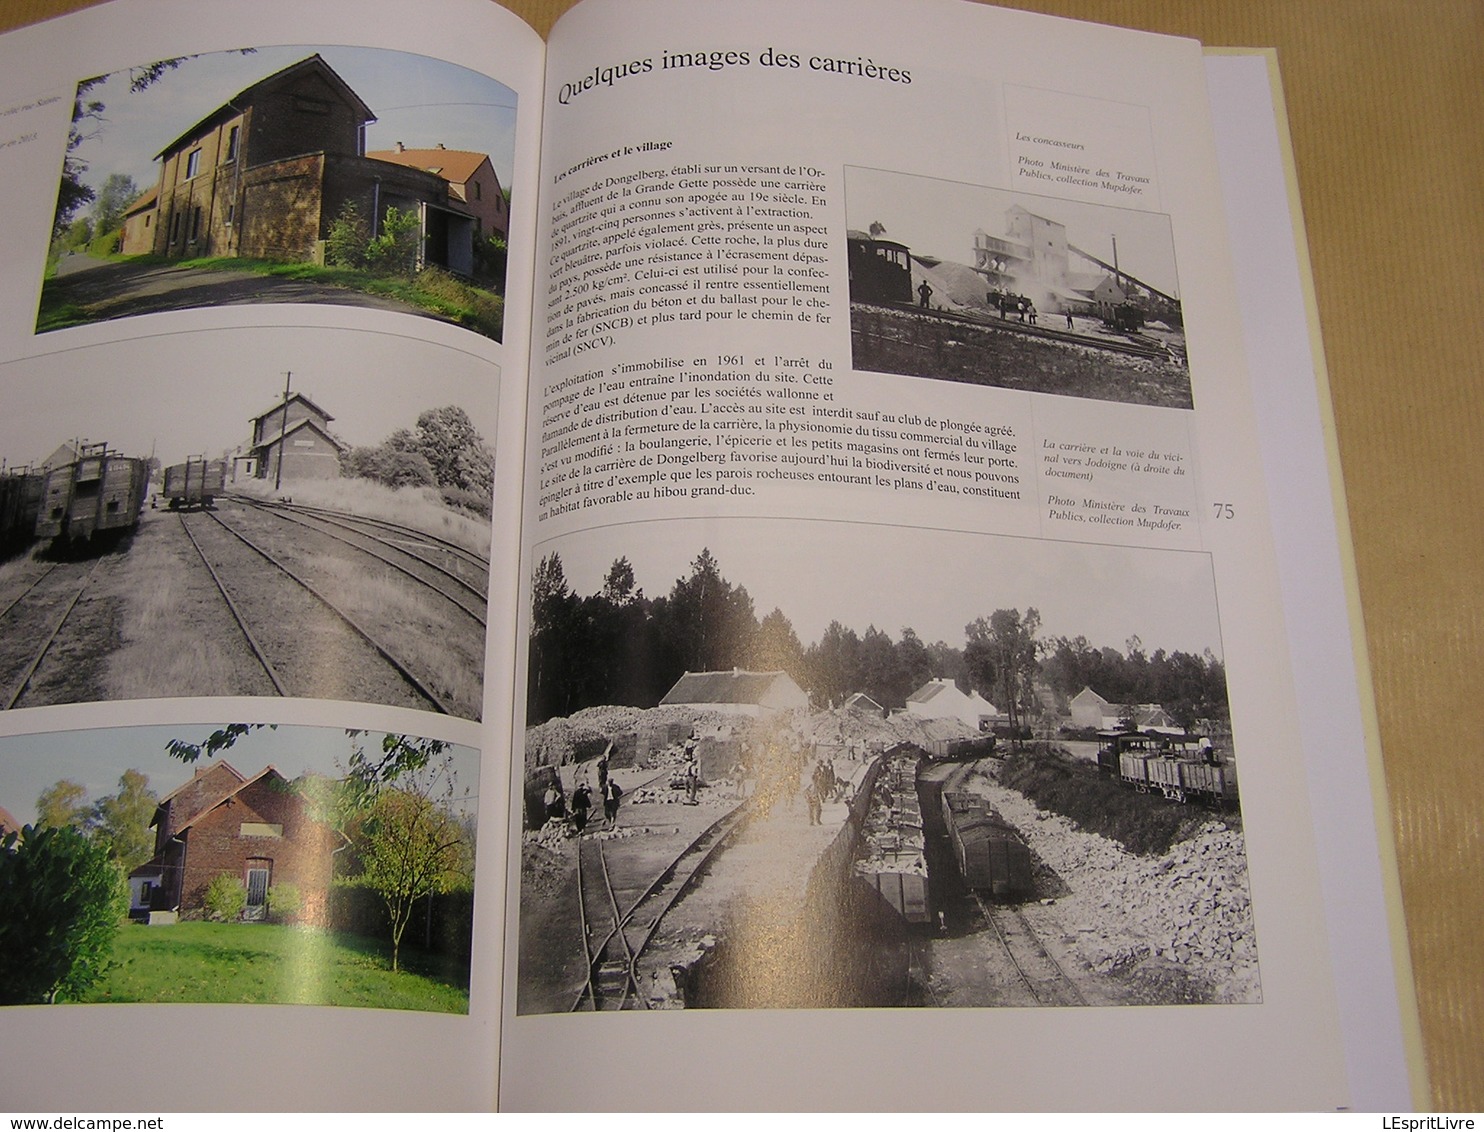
990 853
1154 763
952 750
20 503
99 495
196 483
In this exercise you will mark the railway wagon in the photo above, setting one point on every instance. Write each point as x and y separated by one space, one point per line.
101 493
905 891
20 503
952 750
195 483
1209 782
990 853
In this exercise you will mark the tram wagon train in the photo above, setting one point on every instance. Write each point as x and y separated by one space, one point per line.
1153 763
991 854
196 483
100 494
20 503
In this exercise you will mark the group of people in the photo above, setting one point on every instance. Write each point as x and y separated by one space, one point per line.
1017 303
575 811
823 786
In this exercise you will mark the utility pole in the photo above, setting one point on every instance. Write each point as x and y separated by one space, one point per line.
283 430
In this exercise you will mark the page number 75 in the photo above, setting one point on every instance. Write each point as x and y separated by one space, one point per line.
1224 510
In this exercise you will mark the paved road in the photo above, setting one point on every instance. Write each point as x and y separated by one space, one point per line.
105 290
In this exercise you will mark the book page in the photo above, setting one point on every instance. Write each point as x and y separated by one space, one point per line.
262 355
897 542
1357 864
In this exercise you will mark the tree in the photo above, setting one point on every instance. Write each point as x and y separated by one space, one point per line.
120 822
61 900
709 621
618 583
1001 655
410 845
62 804
112 201
452 446
775 646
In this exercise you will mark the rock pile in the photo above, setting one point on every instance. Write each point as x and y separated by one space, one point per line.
1188 907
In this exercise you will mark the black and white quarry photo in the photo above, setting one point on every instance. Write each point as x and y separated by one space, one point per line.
973 284
267 517
793 764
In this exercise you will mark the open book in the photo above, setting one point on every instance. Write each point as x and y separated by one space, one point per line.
755 521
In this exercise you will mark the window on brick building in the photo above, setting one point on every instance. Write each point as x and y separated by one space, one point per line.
193 163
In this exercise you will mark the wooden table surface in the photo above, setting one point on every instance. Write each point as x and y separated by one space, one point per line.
1386 107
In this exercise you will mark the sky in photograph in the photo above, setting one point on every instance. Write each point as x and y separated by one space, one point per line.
193 393
96 758
934 581
417 100
939 218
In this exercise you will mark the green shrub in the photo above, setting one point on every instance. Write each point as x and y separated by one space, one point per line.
61 902
106 243
284 902
226 897
345 246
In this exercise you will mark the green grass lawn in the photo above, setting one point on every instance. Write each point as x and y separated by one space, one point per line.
270 963
476 307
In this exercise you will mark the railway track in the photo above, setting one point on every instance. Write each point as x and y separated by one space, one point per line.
257 638
46 604
460 577
1147 347
448 550
618 921
1037 968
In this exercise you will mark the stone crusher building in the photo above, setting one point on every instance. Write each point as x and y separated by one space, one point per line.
265 175
737 692
292 441
255 829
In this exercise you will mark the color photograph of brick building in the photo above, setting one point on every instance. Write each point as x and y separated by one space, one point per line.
281 155
251 862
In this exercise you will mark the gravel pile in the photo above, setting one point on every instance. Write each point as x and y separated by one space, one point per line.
1189 907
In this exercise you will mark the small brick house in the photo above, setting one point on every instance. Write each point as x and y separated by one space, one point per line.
471 179
292 441
257 829
266 174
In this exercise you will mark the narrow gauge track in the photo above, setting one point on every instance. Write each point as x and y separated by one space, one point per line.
65 591
471 599
478 565
615 936
1038 969
401 669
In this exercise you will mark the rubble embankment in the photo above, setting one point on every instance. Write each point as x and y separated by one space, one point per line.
1188 907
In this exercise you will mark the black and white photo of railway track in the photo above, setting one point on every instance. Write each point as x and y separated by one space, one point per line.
985 286
1025 796
295 562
